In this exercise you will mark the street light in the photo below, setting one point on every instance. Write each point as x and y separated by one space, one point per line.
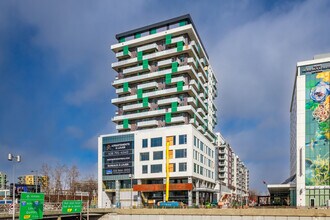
37 179
17 159
131 176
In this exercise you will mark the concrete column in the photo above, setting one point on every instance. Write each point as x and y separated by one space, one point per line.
139 194
190 193
197 193
164 192
117 192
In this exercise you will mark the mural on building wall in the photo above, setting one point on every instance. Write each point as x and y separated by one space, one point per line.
317 149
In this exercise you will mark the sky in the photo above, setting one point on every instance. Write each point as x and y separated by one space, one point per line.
55 74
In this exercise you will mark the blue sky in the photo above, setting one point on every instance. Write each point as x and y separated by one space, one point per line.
55 74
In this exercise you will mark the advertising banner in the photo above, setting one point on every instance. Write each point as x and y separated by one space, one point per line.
317 116
118 158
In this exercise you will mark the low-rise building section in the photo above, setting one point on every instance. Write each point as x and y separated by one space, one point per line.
3 180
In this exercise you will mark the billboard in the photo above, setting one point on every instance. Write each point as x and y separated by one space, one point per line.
317 124
118 158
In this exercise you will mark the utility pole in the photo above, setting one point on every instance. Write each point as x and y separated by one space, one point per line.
17 159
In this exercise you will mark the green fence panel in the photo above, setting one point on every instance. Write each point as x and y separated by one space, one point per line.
168 117
125 87
182 23
125 50
125 123
168 39
168 78
179 86
140 55
139 93
137 35
121 40
174 106
153 31
174 67
145 102
179 46
145 64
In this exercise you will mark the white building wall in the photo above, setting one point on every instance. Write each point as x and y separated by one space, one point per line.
300 143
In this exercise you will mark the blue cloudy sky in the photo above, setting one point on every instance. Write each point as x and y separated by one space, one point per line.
55 74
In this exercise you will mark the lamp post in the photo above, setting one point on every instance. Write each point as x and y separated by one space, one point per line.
36 179
131 176
17 159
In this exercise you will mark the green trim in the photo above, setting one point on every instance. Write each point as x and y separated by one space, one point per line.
145 64
197 64
168 39
140 55
153 31
121 40
168 117
125 123
198 86
182 23
179 86
125 50
194 118
197 102
174 106
179 46
145 101
125 87
168 78
137 35
174 67
139 93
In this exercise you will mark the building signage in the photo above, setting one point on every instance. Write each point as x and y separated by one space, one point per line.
304 70
118 158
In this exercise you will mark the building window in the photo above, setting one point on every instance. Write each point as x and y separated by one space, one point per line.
201 158
144 156
195 141
144 168
195 168
158 155
182 167
202 146
156 142
182 153
144 143
157 168
183 139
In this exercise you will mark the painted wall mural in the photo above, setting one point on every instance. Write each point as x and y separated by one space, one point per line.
317 109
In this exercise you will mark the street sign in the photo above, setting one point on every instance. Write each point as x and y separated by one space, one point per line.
71 206
31 206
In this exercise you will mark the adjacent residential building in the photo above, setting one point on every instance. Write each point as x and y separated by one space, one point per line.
3 180
165 145
42 181
233 175
310 132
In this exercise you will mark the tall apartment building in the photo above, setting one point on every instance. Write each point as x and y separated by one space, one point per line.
165 145
3 180
233 175
310 132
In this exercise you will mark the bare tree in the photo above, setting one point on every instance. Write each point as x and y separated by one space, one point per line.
89 185
46 171
58 177
72 176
